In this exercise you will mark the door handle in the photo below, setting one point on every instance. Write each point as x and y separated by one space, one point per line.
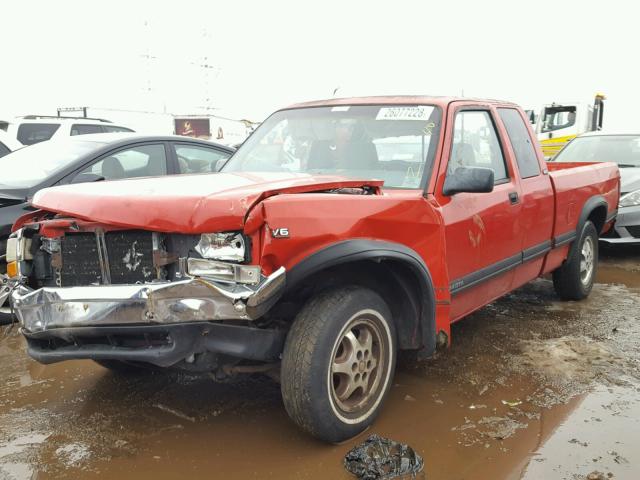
513 197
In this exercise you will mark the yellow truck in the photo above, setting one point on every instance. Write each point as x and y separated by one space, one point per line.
556 124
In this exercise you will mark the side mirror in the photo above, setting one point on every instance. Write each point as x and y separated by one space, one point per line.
469 179
87 177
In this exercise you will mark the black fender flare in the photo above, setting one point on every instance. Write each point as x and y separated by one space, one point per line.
376 250
597 201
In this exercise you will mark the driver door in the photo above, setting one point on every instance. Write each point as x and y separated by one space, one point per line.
482 230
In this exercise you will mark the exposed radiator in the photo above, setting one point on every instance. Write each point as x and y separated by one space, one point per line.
114 257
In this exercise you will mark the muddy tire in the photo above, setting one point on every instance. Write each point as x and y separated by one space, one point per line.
338 363
574 279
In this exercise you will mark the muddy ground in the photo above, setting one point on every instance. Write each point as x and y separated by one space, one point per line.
532 388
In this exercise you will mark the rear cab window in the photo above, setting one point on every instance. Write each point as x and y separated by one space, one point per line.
30 133
521 142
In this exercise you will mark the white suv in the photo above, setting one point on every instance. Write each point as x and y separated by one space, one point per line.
37 128
8 144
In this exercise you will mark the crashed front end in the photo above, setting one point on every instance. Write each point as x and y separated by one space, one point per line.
83 290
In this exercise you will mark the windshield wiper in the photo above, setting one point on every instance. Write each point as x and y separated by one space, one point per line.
628 165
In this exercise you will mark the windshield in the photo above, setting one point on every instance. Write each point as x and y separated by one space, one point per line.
621 149
392 143
29 166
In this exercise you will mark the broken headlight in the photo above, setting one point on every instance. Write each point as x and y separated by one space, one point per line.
226 246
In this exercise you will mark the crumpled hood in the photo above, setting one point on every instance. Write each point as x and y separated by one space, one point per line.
629 179
181 203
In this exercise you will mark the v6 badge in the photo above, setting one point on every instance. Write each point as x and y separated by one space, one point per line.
280 233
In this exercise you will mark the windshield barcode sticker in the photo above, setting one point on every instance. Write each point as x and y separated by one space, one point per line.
404 113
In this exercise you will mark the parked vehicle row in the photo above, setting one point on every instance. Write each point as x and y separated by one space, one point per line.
32 129
340 233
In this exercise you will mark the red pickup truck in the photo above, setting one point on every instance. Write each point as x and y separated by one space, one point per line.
341 232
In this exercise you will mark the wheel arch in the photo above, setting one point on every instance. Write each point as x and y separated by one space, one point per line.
393 270
594 210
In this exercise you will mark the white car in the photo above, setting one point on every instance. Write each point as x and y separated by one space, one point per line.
8 144
38 128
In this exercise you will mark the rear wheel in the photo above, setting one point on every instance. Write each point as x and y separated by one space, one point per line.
574 279
338 363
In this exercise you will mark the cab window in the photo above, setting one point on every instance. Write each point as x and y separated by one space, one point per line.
521 142
476 144
557 118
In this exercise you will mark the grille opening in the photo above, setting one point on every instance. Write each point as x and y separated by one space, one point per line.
129 257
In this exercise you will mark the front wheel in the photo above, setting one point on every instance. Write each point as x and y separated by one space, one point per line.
574 279
338 363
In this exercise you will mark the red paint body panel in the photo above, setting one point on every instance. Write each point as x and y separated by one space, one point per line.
456 236
183 203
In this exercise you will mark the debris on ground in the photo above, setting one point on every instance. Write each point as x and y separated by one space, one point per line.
596 475
73 454
172 411
379 458
512 404
578 442
500 428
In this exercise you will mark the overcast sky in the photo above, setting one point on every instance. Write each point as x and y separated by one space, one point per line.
260 56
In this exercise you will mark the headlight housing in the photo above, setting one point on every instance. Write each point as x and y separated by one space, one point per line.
224 272
223 246
17 253
630 199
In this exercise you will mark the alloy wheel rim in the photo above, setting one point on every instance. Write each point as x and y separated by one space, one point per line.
587 254
358 364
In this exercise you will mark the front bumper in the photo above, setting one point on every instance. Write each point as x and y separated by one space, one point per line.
195 299
627 227
124 322
161 345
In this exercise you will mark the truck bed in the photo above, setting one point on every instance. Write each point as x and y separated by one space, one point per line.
574 184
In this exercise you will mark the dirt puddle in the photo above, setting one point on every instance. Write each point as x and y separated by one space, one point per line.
532 388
